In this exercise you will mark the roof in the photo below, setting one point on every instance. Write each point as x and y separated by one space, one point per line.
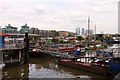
1 34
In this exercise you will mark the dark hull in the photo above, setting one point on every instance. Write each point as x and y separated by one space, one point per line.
115 65
35 54
86 67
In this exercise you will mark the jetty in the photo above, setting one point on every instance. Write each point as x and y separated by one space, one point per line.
13 56
13 52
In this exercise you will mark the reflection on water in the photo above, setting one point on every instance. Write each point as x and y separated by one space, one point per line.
49 73
16 72
0 74
46 68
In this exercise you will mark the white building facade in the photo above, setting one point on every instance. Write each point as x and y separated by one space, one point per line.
83 31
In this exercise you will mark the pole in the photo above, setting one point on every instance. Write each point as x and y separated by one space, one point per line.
88 29
26 49
95 32
88 26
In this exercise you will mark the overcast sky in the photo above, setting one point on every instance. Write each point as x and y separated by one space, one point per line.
61 14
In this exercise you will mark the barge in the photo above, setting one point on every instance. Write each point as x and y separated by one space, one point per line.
63 51
35 51
87 64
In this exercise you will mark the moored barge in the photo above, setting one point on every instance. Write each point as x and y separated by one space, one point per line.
87 64
35 50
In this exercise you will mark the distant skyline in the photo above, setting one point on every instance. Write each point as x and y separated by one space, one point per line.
62 15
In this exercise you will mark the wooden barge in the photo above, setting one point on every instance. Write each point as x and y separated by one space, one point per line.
62 52
87 64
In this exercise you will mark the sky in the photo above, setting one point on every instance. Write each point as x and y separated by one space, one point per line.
65 15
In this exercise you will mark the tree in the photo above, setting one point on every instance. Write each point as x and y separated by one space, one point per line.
55 33
108 37
55 40
61 41
80 38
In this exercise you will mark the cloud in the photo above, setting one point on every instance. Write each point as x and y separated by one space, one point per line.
60 14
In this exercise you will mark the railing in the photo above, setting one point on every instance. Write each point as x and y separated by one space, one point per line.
13 46
115 52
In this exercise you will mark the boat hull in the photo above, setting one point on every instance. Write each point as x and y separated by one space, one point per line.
86 67
35 54
114 66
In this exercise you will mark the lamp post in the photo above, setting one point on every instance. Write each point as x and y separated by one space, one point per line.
26 48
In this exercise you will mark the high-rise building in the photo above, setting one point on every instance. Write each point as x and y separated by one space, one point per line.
77 31
83 31
119 17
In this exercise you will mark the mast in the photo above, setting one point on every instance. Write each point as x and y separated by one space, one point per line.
95 29
95 32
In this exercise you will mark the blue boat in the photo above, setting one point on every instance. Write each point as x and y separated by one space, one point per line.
115 65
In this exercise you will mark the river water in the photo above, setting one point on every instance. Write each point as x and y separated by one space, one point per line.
38 68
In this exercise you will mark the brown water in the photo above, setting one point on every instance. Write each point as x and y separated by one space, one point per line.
47 68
